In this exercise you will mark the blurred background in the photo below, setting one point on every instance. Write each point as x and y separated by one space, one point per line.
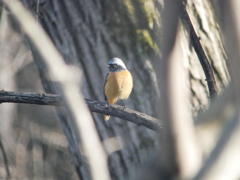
88 33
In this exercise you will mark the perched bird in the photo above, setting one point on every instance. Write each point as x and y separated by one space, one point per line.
118 83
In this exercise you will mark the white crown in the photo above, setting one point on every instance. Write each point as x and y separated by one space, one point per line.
117 61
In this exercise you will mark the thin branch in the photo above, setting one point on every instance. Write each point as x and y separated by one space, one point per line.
31 98
195 40
95 106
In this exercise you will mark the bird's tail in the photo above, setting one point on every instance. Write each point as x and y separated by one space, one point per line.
106 117
110 101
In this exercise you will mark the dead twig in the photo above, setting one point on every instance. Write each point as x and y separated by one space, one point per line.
195 40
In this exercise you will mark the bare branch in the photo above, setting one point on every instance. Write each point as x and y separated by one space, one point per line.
31 98
95 106
195 40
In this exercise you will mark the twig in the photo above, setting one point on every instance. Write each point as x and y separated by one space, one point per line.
95 106
195 40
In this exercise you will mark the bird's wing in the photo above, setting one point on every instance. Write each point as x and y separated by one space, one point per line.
104 86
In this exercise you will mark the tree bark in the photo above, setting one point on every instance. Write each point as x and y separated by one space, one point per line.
90 32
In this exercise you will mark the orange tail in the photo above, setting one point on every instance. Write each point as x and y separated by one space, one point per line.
110 101
106 117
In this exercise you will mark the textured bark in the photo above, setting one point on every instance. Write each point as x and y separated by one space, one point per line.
90 32
203 19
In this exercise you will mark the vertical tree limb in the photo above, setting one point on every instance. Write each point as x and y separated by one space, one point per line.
180 152
222 163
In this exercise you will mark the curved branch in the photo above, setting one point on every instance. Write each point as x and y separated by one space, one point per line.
95 106
195 40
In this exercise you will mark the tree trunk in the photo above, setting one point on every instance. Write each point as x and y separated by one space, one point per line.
88 33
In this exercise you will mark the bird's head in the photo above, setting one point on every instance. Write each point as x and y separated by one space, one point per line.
116 65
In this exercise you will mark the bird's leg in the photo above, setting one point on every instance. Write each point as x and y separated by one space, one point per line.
107 104
124 106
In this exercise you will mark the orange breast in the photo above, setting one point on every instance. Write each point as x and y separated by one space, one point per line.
118 86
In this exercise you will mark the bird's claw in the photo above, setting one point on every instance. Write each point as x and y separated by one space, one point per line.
107 105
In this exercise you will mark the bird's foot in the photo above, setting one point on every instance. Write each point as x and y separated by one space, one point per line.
124 107
107 105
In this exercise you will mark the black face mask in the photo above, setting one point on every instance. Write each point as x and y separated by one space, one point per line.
115 68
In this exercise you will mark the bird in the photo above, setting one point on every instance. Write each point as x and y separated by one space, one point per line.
118 82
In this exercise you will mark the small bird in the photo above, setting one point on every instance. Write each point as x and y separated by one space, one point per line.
118 83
